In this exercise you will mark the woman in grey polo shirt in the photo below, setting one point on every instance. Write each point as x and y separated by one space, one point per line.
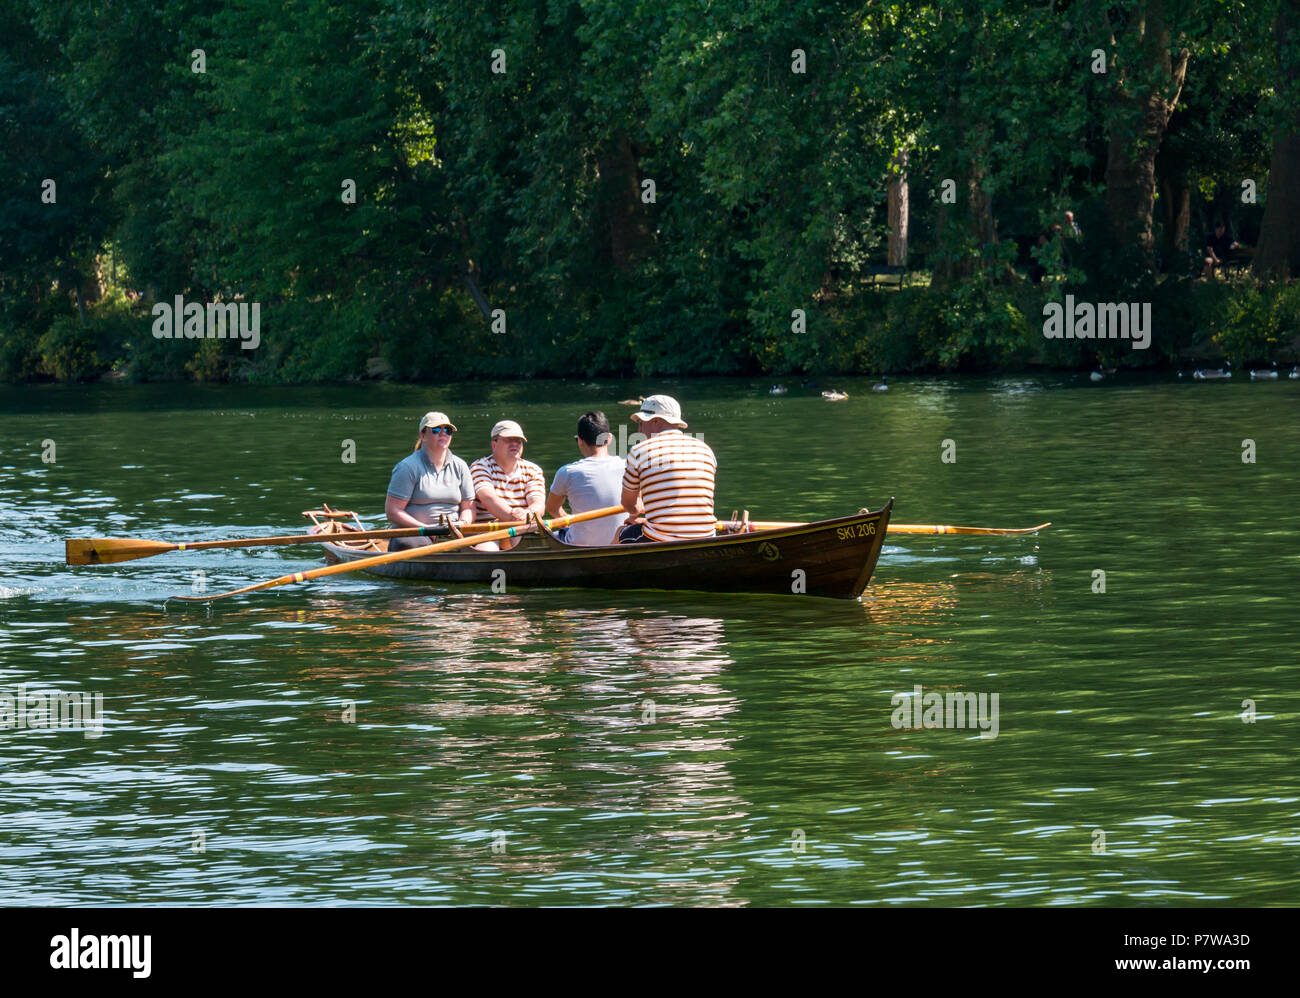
429 483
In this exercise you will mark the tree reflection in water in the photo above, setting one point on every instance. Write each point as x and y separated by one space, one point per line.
601 732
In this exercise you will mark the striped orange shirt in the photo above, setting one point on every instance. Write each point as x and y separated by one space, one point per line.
525 486
675 475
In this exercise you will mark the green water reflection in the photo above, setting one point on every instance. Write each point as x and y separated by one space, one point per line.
580 747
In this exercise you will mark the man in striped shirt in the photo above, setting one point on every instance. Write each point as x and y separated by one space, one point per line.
506 487
673 474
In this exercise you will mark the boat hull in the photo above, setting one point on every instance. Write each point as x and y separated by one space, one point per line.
829 558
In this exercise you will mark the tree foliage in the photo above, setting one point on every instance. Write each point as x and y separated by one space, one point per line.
649 187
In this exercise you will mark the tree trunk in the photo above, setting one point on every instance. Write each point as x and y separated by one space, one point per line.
1141 116
981 226
72 277
471 285
944 271
92 288
1176 201
898 211
1278 253
620 198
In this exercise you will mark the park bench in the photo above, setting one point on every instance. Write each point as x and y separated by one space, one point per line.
1242 258
898 273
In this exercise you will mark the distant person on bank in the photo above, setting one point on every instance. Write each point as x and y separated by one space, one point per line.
1218 247
506 487
429 483
673 476
594 482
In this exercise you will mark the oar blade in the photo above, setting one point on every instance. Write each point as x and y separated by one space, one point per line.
1001 531
943 528
237 592
106 550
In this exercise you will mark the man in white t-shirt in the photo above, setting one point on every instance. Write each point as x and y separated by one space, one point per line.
592 483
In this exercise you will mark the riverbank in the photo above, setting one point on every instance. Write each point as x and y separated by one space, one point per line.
979 327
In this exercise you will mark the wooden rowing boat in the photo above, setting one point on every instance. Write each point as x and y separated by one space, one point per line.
830 558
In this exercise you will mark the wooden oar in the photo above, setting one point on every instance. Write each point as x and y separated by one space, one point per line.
894 528
415 552
106 550
729 525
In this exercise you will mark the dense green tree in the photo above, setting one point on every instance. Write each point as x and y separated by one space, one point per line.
54 210
570 186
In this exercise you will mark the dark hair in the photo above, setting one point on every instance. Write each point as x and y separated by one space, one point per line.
593 429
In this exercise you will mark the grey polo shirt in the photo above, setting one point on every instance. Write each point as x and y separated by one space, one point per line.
428 491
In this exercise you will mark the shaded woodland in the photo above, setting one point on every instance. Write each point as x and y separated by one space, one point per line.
444 190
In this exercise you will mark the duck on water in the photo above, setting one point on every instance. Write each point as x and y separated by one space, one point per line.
1216 374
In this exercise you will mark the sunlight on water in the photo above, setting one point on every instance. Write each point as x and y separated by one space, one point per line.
358 740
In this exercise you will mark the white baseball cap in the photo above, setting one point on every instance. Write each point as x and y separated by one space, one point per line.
436 419
664 406
508 428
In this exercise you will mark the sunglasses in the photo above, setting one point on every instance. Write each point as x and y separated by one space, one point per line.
440 429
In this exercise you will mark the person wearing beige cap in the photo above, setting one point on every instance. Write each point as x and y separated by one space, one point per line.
429 483
506 487
673 475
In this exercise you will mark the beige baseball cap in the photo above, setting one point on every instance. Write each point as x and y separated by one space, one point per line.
508 428
435 419
664 406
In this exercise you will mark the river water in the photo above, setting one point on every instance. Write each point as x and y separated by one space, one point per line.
362 741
